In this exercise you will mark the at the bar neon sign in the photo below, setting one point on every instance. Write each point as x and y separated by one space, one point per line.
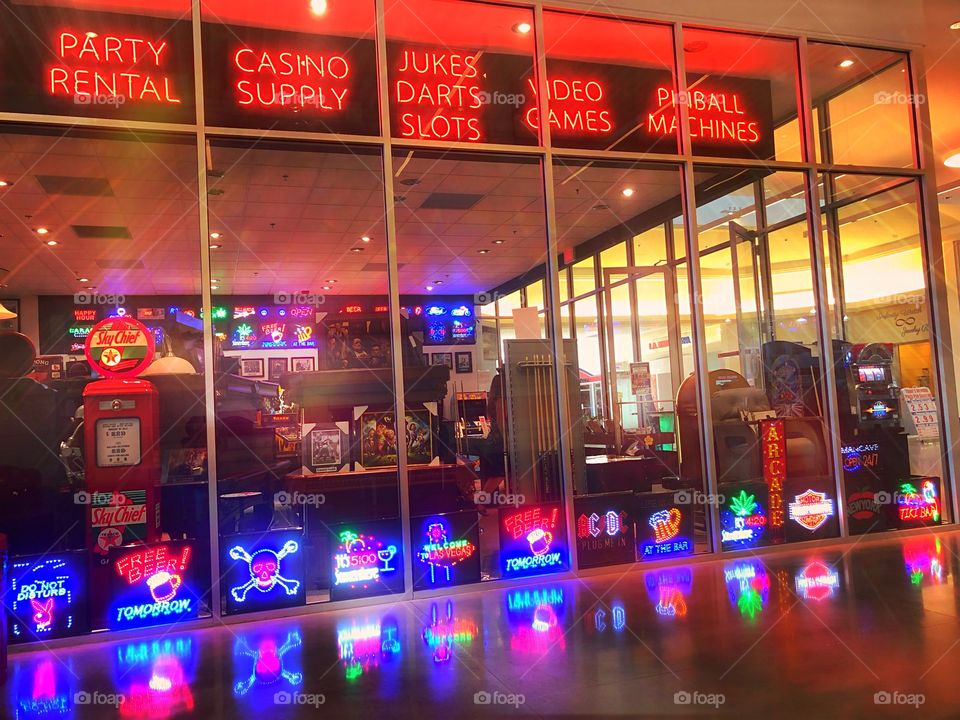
112 68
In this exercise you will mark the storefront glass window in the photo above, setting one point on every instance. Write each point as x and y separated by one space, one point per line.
864 105
103 449
891 446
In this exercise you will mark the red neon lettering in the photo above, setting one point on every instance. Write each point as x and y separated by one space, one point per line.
574 107
715 115
265 79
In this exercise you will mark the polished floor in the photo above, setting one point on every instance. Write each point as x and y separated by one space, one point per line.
869 630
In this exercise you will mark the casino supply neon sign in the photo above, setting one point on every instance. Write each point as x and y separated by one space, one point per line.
922 505
291 79
442 553
811 509
119 68
361 560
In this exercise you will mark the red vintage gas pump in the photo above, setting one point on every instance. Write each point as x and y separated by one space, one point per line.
121 438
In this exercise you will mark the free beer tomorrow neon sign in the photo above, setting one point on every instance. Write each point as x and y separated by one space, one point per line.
152 578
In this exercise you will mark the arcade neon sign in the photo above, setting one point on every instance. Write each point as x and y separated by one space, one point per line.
154 576
441 553
287 78
361 560
811 509
121 68
773 442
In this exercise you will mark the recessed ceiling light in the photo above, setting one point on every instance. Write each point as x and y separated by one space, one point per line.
51 243
522 27
627 192
953 161
214 281
438 282
356 249
365 238
214 246
845 63
326 287
483 252
91 34
955 26
331 282
84 279
214 287
42 231
90 287
318 7
5 183
498 242
429 288
216 235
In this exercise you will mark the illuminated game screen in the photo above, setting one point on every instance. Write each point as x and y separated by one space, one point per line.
871 374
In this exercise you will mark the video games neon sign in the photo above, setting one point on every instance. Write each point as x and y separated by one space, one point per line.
361 560
155 585
47 597
442 552
811 509
531 540
292 79
121 68
577 107
919 506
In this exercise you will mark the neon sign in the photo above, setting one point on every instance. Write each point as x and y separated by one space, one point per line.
576 107
605 531
919 507
297 80
265 571
667 526
449 553
714 115
817 581
438 94
364 564
879 410
154 585
268 662
47 597
811 509
84 315
117 67
531 541
743 520
773 442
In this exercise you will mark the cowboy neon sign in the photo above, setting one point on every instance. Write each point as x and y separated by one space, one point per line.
115 67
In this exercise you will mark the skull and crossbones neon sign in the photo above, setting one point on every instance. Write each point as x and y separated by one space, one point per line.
264 567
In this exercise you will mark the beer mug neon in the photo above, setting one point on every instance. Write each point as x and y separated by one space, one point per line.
539 540
163 586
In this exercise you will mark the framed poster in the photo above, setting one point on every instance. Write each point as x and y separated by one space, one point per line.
303 364
442 358
464 363
324 448
276 367
419 437
263 571
251 367
379 443
446 550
